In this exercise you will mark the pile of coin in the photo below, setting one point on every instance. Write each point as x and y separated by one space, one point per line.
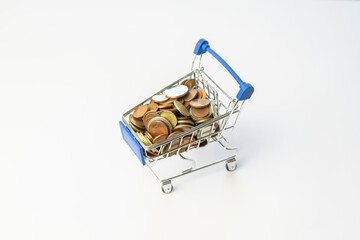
172 112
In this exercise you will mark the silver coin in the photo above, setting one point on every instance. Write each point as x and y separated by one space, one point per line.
177 91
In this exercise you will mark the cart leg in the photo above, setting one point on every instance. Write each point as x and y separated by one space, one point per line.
231 165
166 186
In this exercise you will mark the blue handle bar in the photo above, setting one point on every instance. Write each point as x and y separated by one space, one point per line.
246 90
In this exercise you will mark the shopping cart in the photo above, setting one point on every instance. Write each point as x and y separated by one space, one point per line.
219 130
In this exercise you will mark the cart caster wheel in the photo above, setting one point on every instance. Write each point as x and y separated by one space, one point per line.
167 187
231 165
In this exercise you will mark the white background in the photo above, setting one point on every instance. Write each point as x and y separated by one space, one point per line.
69 69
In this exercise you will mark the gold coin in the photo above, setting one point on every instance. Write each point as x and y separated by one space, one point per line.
169 116
135 128
181 108
142 138
148 135
148 142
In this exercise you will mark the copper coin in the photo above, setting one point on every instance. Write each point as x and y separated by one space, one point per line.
186 140
152 153
182 117
157 128
173 109
187 105
190 83
159 98
148 117
202 121
182 127
160 138
137 122
200 112
168 105
153 107
191 95
181 100
201 93
173 134
140 111
199 103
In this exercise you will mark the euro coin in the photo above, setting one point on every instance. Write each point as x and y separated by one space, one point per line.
200 112
159 98
199 103
140 111
170 116
177 91
181 108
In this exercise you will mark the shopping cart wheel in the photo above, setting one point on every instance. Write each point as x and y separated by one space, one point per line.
167 187
231 165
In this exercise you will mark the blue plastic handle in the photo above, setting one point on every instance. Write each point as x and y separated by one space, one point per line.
246 90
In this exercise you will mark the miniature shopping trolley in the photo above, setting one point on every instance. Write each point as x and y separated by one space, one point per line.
218 130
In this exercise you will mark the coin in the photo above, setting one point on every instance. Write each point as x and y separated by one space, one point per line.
148 117
157 127
190 83
213 109
173 134
140 111
159 98
202 121
187 105
173 109
137 122
168 105
152 153
200 112
181 109
177 91
148 135
201 93
186 121
181 117
143 139
153 107
190 95
160 138
135 128
199 103
169 116
196 118
186 140
182 127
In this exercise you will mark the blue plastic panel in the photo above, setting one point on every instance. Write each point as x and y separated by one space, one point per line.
132 142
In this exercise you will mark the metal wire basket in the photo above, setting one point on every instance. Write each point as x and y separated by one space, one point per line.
226 111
